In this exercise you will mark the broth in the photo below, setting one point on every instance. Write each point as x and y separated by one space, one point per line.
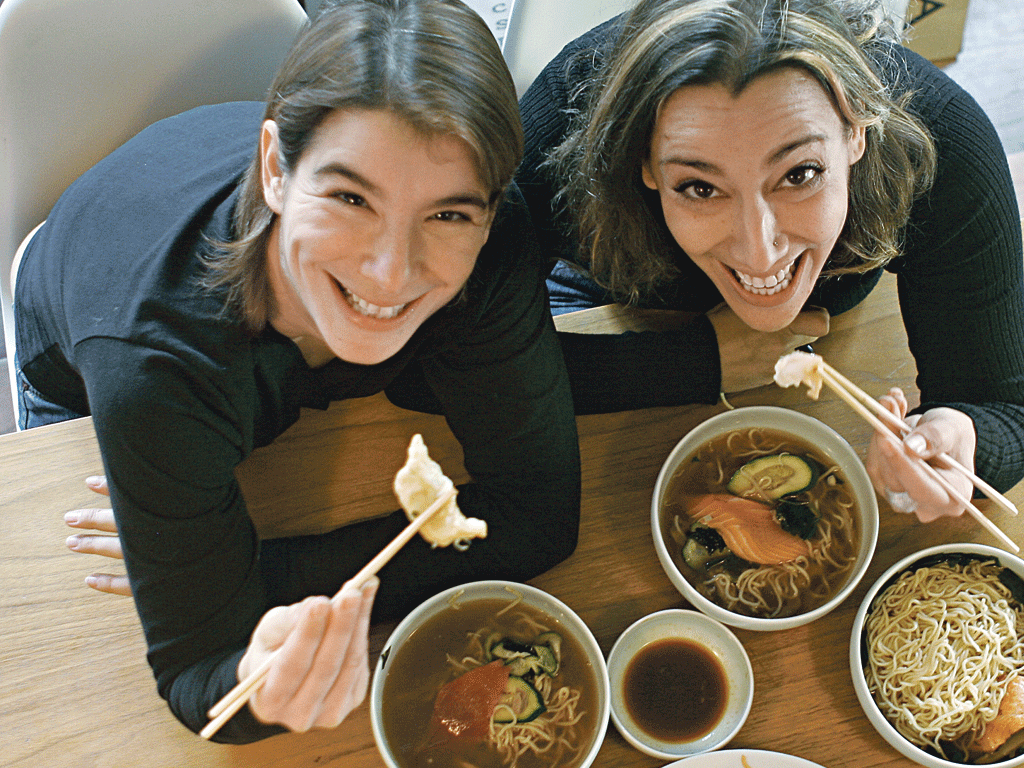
765 591
675 690
417 670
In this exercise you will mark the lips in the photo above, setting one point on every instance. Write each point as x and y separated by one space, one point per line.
365 308
766 286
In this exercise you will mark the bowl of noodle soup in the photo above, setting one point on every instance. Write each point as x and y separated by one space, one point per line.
937 656
434 699
792 513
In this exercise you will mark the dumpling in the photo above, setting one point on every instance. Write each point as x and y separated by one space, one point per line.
419 483
798 368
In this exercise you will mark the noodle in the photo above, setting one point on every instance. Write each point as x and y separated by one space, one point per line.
553 733
775 591
942 644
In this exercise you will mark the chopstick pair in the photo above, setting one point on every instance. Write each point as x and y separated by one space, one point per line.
238 696
886 423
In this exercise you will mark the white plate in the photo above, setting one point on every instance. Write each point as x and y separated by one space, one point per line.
756 758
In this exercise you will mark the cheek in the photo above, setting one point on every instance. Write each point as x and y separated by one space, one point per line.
695 235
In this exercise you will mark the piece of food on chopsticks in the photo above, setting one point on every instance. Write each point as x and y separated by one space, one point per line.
798 368
426 495
418 484
804 368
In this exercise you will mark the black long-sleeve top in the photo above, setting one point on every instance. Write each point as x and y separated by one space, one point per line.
111 323
959 278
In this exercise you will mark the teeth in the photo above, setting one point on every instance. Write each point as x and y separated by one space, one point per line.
767 286
363 307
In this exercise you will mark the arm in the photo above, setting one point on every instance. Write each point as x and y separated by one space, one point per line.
495 372
960 281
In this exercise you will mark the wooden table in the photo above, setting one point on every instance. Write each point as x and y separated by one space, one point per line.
75 688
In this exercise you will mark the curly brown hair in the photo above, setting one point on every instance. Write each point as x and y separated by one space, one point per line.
664 45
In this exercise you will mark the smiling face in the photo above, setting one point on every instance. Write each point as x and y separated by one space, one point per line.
378 227
755 187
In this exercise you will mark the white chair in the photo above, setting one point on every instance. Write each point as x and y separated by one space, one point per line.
80 77
540 28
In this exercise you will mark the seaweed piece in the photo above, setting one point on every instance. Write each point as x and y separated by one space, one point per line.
797 517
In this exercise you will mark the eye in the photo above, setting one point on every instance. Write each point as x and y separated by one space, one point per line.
351 198
803 175
697 190
451 216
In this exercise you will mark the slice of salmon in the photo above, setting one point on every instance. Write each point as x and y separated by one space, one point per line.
1009 720
749 528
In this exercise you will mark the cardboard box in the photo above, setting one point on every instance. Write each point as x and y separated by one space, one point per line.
937 28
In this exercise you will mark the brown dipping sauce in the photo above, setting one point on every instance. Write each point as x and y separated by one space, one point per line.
675 690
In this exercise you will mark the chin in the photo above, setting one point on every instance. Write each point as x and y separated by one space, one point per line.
765 319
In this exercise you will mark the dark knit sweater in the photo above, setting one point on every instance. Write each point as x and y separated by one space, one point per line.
960 280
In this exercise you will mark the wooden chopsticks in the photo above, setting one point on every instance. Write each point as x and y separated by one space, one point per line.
238 696
888 424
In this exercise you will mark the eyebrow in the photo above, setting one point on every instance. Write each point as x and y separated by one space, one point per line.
775 157
339 169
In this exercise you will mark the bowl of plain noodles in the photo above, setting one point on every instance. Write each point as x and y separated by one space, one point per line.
493 674
937 656
764 518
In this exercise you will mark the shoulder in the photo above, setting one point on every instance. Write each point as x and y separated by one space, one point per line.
932 93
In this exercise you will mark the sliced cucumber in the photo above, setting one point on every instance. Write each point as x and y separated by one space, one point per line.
520 703
546 659
552 640
772 477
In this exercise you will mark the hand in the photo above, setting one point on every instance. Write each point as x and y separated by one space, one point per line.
323 669
98 544
897 474
748 357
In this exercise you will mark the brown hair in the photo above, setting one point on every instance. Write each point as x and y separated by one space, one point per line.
433 62
664 45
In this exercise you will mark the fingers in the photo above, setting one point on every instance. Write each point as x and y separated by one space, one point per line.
98 483
98 544
897 467
85 544
92 519
904 474
322 670
109 583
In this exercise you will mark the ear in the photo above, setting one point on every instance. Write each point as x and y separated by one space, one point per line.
272 173
647 175
857 143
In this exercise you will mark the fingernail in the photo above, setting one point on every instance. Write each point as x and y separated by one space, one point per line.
72 542
71 518
91 581
916 443
94 481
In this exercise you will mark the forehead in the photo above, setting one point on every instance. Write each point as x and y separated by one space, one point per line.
366 131
775 108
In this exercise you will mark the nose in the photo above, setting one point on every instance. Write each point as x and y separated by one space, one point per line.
391 260
758 243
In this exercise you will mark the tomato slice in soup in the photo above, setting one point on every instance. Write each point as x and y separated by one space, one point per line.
463 707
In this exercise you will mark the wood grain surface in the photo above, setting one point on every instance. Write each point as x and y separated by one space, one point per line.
76 690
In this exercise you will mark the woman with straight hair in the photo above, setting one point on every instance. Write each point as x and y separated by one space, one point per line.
758 164
231 265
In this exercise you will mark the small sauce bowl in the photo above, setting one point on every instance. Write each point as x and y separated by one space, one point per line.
691 637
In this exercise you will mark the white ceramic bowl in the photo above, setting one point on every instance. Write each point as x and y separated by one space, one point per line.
483 590
858 651
825 440
711 635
